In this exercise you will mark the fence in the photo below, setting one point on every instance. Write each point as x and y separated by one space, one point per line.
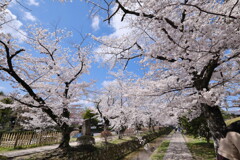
29 138
107 152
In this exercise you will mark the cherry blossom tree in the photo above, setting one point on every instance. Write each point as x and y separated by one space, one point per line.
124 104
3 7
46 75
191 47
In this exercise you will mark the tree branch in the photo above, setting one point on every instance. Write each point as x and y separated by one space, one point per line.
16 53
29 90
208 12
24 103
233 7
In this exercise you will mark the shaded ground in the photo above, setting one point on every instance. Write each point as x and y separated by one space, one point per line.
142 154
23 152
159 153
200 149
145 152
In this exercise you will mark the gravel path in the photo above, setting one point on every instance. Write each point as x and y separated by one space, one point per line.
177 149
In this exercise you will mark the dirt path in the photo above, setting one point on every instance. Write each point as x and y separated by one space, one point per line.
23 152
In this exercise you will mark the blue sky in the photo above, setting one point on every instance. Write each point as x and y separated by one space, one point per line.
73 16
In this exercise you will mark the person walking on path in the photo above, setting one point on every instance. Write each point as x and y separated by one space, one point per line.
177 149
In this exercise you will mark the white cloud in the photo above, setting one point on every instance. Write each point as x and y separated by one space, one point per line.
29 16
83 103
33 3
13 26
109 83
95 23
2 88
120 27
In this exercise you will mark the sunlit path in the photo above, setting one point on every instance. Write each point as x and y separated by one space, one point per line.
177 149
17 153
28 151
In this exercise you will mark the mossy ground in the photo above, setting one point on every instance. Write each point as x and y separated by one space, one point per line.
161 150
200 149
229 121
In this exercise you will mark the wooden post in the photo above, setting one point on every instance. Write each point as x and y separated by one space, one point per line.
16 142
31 137
1 138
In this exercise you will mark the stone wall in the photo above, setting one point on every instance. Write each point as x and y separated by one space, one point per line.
109 152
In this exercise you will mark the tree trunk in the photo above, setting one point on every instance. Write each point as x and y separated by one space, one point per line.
153 128
66 130
208 140
215 123
150 124
105 127
105 138
119 134
106 123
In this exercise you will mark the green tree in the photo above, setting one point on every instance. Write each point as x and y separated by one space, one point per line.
226 115
7 100
7 116
196 127
89 114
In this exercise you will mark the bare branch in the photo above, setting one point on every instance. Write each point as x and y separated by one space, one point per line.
209 12
229 58
95 4
6 22
23 5
16 53
233 8
109 17
24 103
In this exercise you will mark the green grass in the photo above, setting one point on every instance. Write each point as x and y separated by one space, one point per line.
200 149
73 139
117 141
3 149
229 121
98 136
113 141
161 150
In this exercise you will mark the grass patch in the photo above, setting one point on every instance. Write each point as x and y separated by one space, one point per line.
98 136
161 150
113 141
229 121
200 149
117 141
73 139
3 149
6 149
